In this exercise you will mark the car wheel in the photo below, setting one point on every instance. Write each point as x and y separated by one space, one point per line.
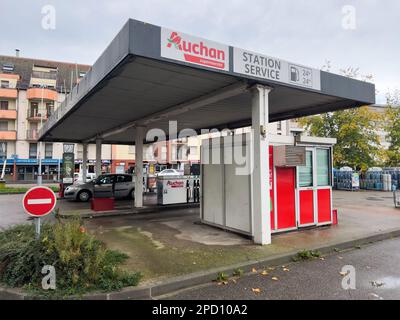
132 194
84 196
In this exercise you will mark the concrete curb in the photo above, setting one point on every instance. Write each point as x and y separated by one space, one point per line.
162 288
11 193
126 212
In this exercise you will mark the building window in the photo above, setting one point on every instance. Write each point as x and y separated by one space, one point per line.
8 67
3 105
82 74
3 125
164 153
34 110
306 172
48 151
49 108
193 151
131 149
3 150
279 126
33 151
323 167
5 84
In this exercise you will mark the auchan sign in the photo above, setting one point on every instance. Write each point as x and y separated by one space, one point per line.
182 47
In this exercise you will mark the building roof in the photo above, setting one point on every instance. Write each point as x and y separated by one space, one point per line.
149 75
23 67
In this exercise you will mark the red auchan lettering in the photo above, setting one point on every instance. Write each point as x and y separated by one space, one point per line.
175 184
194 50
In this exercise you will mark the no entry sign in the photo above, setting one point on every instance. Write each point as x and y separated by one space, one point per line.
39 201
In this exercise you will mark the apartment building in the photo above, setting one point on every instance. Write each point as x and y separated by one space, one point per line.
380 131
30 91
171 154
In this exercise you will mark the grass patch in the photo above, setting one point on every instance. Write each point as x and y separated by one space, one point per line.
82 263
222 277
238 272
8 190
307 255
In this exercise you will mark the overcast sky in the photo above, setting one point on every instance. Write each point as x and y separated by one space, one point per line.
303 31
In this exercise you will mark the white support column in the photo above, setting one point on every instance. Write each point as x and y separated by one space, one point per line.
260 174
84 161
139 137
98 157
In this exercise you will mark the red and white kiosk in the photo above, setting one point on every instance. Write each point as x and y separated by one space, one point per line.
300 173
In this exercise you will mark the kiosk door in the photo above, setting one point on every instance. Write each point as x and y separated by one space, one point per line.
323 185
306 190
314 188
286 198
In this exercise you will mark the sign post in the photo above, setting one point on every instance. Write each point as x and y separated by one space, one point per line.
68 167
39 202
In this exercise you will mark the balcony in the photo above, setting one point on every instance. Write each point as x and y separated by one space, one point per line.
37 117
39 93
32 135
8 135
8 93
8 114
10 76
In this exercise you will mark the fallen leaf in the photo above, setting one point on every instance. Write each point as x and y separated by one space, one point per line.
254 270
376 296
264 273
286 269
343 274
322 259
340 258
256 290
377 284
275 278
234 281
271 269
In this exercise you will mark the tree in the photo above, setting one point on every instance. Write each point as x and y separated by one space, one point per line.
358 144
392 128
356 130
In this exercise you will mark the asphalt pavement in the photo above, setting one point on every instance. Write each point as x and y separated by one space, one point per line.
377 277
11 211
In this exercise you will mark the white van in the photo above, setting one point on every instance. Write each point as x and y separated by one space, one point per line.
78 178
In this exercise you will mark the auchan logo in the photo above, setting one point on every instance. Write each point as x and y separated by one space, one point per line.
197 52
175 184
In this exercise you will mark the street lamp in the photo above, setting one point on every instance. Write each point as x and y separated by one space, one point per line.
4 150
40 178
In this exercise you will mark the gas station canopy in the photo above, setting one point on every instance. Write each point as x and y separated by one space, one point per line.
149 75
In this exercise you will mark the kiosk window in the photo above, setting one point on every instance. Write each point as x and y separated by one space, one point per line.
323 167
306 173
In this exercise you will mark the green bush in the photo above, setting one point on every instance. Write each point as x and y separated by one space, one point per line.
82 262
